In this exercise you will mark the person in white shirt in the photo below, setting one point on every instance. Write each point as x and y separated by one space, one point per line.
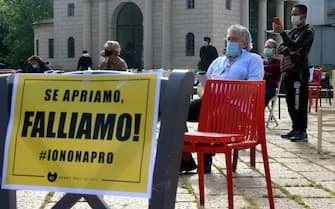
238 63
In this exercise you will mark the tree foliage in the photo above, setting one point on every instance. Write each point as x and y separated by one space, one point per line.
3 32
19 16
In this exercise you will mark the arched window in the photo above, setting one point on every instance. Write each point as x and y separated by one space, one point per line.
190 44
70 47
190 4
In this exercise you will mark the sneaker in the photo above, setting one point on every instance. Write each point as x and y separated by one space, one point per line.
188 165
288 135
299 137
208 163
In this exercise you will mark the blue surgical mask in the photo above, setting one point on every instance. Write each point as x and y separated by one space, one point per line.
267 52
232 49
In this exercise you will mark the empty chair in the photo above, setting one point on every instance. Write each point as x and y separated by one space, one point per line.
229 120
325 88
314 88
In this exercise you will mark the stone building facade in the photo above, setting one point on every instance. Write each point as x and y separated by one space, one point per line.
153 33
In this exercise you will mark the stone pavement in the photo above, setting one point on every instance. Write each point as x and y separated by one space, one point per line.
302 178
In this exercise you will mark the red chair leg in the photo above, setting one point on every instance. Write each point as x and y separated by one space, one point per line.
229 180
253 157
235 158
267 175
201 177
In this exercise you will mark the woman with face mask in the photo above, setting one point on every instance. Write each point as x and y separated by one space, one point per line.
35 65
272 71
112 60
296 44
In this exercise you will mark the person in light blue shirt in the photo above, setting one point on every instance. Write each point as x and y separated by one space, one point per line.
237 64
246 66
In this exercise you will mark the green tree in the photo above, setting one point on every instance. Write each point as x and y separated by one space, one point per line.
3 32
20 15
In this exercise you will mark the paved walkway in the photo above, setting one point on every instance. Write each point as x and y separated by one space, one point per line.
302 178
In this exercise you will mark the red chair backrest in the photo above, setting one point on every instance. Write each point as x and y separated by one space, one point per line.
316 77
7 71
234 107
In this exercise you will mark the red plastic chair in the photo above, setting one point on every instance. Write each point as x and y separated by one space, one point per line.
231 117
7 71
314 88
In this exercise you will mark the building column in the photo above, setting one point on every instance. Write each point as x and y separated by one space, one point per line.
102 23
280 10
245 13
147 35
166 36
262 19
87 25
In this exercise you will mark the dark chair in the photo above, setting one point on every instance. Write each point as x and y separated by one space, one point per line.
326 90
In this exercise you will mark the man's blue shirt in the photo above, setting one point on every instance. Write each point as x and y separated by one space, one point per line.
247 66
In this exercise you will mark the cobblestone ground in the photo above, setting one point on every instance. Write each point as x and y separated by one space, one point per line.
302 178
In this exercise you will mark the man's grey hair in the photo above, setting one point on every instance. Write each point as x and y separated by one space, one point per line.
244 33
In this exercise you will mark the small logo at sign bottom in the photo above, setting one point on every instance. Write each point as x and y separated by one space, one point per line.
52 176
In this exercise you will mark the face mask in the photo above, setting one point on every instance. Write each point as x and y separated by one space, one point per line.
295 20
35 66
108 53
205 43
267 52
232 49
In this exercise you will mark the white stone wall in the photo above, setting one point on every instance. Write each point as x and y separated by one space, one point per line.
196 21
157 7
43 33
208 18
96 47
65 27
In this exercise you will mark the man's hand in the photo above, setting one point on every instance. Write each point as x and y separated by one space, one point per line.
200 90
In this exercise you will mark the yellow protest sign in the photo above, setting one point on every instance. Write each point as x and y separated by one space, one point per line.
92 134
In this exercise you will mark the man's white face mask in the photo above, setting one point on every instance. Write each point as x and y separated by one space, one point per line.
295 20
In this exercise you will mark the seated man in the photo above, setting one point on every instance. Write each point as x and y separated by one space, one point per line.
272 71
237 64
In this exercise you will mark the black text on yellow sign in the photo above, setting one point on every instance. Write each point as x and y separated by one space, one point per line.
81 125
